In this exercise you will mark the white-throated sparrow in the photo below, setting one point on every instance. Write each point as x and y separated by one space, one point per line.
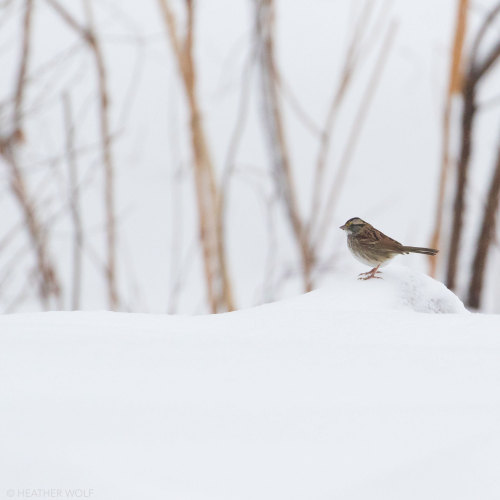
374 248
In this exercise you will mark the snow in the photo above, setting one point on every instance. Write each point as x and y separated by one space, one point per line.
354 391
400 288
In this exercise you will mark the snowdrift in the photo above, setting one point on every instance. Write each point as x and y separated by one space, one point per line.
355 391
399 289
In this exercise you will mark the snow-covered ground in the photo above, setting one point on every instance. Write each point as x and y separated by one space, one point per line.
355 391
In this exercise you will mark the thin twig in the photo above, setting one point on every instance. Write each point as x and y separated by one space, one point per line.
74 202
283 174
89 34
217 280
21 77
347 73
107 156
485 238
359 120
477 69
48 282
454 88
230 163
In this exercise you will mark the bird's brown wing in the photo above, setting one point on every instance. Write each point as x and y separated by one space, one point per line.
380 241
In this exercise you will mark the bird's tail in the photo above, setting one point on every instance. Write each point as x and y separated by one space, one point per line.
426 251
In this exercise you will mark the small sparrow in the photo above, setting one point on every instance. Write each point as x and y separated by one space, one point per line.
373 248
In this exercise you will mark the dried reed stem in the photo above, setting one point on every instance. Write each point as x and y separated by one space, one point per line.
74 199
89 35
485 238
346 75
218 285
475 72
107 156
454 88
359 120
48 282
278 147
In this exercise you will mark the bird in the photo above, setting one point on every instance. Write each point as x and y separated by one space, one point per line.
373 248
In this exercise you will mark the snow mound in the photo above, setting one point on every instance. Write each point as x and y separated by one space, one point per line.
343 393
399 289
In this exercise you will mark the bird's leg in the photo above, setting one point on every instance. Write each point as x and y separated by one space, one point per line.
370 274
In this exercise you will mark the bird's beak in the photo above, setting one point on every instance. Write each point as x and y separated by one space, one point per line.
342 227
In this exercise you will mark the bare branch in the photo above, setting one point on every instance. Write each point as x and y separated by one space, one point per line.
354 134
264 13
69 19
219 290
454 87
48 282
74 200
485 238
347 73
21 77
107 156
476 71
490 18
89 34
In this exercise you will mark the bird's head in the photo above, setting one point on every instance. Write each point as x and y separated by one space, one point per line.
354 225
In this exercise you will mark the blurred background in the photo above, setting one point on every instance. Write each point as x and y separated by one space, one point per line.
191 156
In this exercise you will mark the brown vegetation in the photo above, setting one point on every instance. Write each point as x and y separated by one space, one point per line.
309 225
477 68
211 233
454 89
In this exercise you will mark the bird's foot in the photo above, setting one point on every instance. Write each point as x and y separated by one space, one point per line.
370 274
